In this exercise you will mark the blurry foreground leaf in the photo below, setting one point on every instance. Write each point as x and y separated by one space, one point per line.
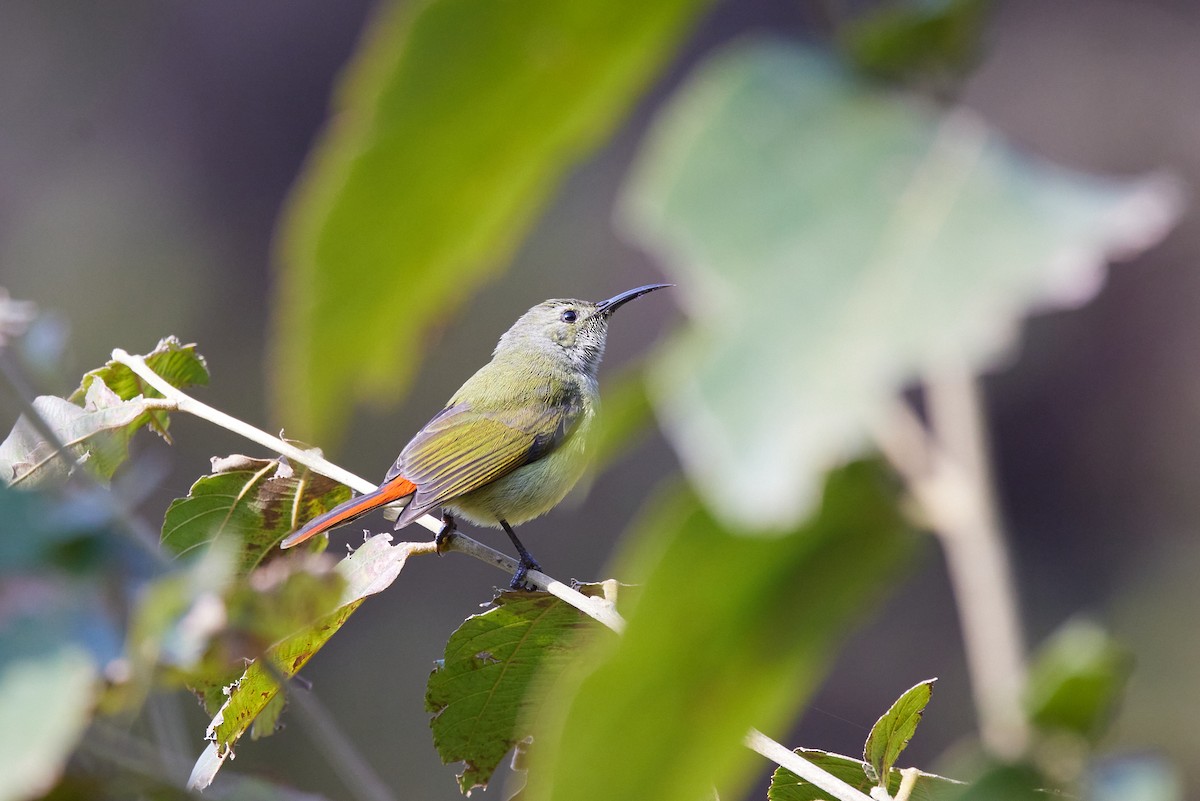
1076 680
727 632
97 421
916 38
370 569
179 365
46 689
1145 777
787 786
1002 782
455 123
834 242
254 503
496 670
891 733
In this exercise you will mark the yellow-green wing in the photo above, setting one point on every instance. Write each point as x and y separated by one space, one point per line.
462 449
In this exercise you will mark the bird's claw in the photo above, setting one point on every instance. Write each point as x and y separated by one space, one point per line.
449 527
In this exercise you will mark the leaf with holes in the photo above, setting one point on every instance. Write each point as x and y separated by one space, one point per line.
370 569
254 502
179 365
488 684
787 786
891 733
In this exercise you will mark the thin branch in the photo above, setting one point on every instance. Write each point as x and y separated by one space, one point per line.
355 772
599 609
947 473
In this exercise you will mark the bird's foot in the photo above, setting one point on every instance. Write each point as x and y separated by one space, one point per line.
447 531
523 567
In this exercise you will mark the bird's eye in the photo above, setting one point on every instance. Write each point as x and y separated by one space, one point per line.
569 316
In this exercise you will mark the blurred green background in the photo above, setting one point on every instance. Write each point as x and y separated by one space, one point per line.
145 151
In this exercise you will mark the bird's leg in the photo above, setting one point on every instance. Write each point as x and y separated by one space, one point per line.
527 562
448 528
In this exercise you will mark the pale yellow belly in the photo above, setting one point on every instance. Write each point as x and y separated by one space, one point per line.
529 491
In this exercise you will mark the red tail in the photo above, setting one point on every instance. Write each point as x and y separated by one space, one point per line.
354 508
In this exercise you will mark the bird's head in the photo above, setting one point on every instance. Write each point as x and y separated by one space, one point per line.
570 332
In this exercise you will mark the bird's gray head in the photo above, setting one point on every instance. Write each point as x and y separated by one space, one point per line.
574 330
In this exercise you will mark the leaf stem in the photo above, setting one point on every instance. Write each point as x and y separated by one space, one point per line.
946 471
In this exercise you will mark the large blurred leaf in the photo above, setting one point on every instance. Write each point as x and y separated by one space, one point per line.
787 786
455 122
254 503
46 689
489 679
98 420
727 632
891 733
179 365
833 241
370 569
1076 680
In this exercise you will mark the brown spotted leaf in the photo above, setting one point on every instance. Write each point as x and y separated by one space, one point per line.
255 502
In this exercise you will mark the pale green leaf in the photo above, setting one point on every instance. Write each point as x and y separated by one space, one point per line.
47 687
787 786
253 503
726 632
456 121
833 242
891 733
494 674
96 434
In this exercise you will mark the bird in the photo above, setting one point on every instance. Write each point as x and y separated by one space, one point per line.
512 441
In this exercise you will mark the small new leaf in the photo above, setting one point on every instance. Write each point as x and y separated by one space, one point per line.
487 684
787 786
179 365
891 733
253 502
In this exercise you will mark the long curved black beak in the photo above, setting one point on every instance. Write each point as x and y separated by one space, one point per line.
607 307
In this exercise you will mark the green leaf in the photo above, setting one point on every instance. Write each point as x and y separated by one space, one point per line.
96 434
1076 680
47 685
98 420
916 38
177 364
727 632
255 503
370 569
493 675
891 733
787 786
455 123
1006 782
833 242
